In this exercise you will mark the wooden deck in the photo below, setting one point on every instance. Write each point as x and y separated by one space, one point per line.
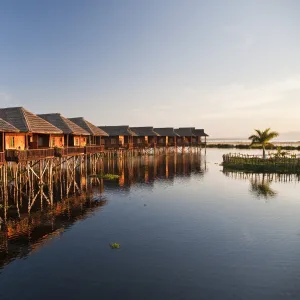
94 149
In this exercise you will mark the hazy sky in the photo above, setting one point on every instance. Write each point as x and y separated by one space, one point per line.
226 66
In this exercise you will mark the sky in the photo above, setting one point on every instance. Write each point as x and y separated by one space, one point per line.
225 66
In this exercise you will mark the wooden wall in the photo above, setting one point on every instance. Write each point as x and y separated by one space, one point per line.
15 141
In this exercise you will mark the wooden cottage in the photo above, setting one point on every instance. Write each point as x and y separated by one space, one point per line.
8 138
94 142
167 137
35 137
145 137
75 137
187 137
118 137
199 133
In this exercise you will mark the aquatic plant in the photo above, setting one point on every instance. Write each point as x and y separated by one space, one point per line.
109 176
115 246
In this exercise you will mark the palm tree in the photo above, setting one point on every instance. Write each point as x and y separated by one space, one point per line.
263 138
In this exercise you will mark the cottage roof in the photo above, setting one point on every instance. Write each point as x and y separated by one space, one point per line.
64 124
6 127
26 121
199 132
89 127
166 131
144 131
118 130
185 131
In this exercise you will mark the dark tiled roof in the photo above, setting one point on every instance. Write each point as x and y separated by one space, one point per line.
185 131
89 127
166 131
26 121
199 132
118 130
143 131
6 127
64 124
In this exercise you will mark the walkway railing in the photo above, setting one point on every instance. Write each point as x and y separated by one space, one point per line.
94 149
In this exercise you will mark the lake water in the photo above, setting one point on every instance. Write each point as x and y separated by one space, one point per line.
187 230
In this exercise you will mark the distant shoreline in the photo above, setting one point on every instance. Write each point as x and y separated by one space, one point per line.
244 143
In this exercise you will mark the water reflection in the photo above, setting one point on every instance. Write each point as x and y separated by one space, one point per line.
29 217
260 183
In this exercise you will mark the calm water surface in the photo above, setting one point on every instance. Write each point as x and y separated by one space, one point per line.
187 230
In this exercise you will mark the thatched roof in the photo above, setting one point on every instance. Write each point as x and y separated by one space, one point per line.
64 124
89 127
6 127
26 121
166 131
199 132
144 131
118 130
185 131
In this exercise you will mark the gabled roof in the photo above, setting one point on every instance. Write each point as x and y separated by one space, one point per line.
199 132
185 131
165 131
26 121
144 131
64 124
6 127
89 127
118 130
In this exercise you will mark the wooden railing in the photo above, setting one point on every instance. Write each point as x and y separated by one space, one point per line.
31 154
94 149
69 151
2 157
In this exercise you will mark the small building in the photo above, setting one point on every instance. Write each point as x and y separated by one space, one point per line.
167 136
187 137
94 142
8 137
199 133
75 137
118 137
145 136
35 137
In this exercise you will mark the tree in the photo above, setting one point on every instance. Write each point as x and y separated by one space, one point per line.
263 138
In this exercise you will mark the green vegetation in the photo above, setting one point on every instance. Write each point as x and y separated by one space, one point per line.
243 146
263 138
109 176
115 246
251 163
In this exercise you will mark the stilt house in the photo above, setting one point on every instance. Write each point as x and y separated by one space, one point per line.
145 137
35 137
118 137
167 136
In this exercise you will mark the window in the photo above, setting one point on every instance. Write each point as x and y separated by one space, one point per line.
113 141
139 141
12 142
53 142
76 141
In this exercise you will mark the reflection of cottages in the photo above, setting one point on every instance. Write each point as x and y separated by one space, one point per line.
96 138
8 137
145 137
167 136
118 137
75 138
35 134
30 232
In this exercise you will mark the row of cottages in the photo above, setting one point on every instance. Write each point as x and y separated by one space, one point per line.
125 137
26 136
